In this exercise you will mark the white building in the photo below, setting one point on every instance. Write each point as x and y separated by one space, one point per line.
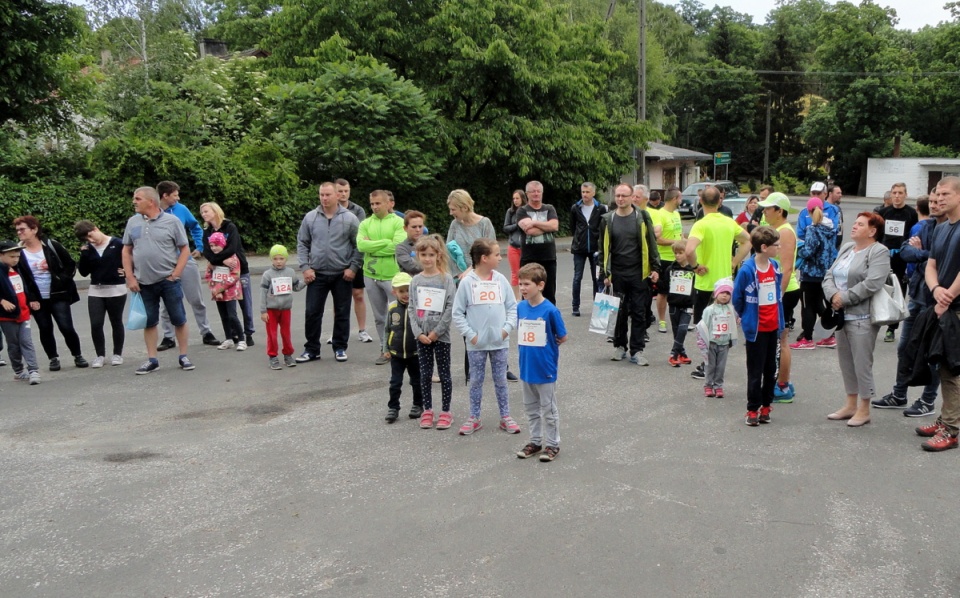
919 174
669 166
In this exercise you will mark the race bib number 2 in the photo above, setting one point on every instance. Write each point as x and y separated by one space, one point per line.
532 333
430 298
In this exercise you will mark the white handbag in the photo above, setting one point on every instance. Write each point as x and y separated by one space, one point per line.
887 305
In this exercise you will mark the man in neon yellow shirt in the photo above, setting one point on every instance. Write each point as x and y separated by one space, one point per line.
669 229
708 250
377 239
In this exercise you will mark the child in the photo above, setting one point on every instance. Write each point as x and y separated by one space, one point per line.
402 345
719 326
18 295
276 298
225 287
485 312
431 293
540 334
757 300
680 276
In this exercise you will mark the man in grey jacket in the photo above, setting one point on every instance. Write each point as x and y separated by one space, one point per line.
327 250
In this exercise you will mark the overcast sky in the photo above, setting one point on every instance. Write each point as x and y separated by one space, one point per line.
913 14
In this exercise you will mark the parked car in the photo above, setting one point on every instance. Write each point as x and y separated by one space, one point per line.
689 202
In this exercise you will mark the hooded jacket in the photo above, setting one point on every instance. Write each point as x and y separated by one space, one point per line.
746 298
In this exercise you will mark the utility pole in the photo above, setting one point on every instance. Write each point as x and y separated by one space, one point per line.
766 147
642 87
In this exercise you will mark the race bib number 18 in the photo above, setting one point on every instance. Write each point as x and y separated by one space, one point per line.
532 333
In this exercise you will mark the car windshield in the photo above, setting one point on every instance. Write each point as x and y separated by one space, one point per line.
692 189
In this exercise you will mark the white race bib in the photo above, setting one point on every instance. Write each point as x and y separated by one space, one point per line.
430 298
282 285
17 283
768 293
220 274
487 292
721 324
895 228
680 285
532 333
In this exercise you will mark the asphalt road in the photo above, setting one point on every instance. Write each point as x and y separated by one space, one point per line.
235 480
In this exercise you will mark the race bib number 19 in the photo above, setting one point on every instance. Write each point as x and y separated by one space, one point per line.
721 324
532 333
487 292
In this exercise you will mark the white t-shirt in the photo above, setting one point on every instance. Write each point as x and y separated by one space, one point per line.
40 276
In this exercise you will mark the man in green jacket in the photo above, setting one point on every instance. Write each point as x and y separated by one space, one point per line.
377 239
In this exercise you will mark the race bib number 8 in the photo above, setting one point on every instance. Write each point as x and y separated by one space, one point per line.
895 228
17 283
220 274
532 333
282 285
487 292
680 285
430 298
768 293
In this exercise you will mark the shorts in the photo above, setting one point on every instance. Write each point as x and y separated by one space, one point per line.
168 291
790 301
358 280
663 284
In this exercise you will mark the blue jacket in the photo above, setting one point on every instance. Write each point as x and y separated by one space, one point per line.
190 223
916 260
817 253
746 300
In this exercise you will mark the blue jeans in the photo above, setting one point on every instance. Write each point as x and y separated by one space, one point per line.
929 394
246 304
579 261
317 291
171 293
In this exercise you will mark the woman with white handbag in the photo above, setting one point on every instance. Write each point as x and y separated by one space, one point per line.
859 272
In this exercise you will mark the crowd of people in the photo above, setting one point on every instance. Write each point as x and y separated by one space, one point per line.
728 277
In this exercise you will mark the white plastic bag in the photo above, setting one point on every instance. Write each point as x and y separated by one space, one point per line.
604 317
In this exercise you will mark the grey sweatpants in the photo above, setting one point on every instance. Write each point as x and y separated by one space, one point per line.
379 293
193 292
20 346
540 402
716 364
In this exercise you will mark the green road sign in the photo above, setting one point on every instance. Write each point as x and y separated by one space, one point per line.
721 158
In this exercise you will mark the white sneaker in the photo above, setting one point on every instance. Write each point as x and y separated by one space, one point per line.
364 337
34 378
116 360
638 359
97 362
226 345
241 346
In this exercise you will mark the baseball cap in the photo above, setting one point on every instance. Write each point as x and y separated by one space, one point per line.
6 246
814 202
401 279
778 200
818 187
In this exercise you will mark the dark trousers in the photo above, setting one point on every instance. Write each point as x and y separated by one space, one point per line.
701 301
679 321
579 261
634 306
317 291
900 387
246 304
232 328
550 288
813 305
399 365
56 311
98 308
761 369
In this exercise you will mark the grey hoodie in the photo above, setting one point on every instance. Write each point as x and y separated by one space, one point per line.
270 301
329 246
487 322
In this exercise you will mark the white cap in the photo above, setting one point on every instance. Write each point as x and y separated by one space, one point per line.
818 187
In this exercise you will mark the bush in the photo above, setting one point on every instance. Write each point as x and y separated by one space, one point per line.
788 184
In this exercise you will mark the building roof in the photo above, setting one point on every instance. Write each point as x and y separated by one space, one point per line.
669 152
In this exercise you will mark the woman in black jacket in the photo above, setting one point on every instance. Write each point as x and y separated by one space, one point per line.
101 258
214 221
53 271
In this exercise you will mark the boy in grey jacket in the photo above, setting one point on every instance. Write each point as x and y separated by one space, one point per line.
276 300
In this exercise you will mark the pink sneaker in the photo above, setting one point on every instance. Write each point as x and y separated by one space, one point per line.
718 392
803 345
426 419
445 420
827 343
509 426
470 426
708 391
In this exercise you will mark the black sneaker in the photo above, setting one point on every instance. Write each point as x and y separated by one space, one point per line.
415 412
55 364
919 409
147 367
550 453
529 451
511 377
890 401
249 340
185 364
80 362
576 312
392 415
307 356
698 373
167 343
208 339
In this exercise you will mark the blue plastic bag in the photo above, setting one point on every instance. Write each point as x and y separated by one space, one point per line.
137 319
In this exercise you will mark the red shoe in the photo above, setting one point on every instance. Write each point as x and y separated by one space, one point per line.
765 415
674 361
684 360
827 343
426 419
718 392
752 419
803 345
942 441
929 431
708 391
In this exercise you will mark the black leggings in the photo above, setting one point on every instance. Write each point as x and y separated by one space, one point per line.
98 307
56 311
813 306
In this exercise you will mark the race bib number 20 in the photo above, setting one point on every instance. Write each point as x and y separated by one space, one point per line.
487 292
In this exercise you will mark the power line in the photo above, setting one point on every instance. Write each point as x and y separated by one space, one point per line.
826 73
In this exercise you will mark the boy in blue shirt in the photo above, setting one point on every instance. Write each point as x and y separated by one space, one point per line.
540 332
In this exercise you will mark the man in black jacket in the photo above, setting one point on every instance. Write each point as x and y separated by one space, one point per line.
585 225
